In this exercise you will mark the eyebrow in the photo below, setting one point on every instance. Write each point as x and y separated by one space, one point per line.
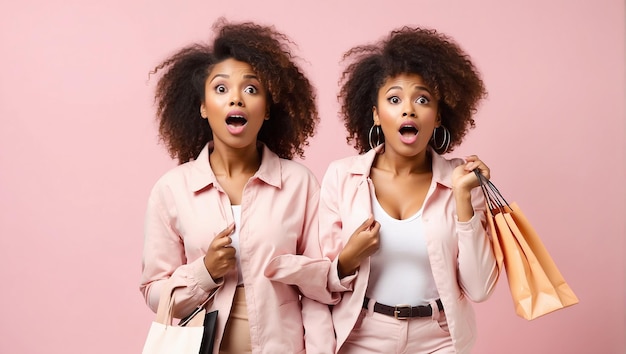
423 88
245 76
219 75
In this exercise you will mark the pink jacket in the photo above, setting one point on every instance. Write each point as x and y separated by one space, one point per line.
460 253
279 209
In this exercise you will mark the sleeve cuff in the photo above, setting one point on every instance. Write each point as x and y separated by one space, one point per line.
340 285
201 275
468 226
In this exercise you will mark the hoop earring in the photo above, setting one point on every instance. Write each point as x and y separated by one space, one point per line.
379 134
442 147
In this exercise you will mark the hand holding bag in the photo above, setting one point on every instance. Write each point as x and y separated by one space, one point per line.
195 334
537 287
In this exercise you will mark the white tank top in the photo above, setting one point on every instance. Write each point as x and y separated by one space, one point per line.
235 239
400 270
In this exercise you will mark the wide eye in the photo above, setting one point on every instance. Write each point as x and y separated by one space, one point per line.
393 99
250 89
422 100
220 88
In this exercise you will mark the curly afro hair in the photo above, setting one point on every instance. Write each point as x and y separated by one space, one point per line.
180 90
441 63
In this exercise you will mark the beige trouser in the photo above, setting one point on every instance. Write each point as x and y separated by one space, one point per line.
236 338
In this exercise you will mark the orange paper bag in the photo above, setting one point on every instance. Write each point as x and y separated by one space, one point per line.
537 287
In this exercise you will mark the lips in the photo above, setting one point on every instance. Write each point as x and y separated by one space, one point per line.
408 132
236 122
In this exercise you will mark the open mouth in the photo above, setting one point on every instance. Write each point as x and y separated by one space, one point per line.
408 131
236 120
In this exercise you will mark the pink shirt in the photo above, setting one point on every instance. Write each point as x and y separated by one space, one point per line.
279 209
460 253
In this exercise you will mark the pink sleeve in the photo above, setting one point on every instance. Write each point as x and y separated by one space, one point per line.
330 227
308 269
164 259
477 268
319 332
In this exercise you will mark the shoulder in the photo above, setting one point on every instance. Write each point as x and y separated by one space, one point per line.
176 173
454 161
341 170
274 168
294 167
295 171
174 178
345 164
445 165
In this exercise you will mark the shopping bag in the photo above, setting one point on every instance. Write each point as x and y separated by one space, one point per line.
536 285
195 334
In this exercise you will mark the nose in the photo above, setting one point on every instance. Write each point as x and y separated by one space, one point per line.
236 102
235 99
408 110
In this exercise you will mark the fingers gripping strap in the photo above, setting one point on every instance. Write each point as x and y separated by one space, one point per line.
494 198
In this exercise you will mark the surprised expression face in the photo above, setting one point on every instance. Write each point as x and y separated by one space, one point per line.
235 104
407 112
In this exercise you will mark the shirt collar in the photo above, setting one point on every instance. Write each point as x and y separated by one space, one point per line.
362 164
202 174
442 168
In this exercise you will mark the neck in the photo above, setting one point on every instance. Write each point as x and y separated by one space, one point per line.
226 161
404 165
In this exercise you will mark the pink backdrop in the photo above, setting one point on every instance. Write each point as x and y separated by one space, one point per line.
78 151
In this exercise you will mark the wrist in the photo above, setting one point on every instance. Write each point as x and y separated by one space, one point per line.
461 193
343 269
215 280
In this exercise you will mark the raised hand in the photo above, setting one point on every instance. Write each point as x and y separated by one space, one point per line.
364 242
463 179
220 257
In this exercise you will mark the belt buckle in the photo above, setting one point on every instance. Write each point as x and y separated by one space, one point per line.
396 311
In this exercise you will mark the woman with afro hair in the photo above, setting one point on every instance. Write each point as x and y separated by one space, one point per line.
234 113
404 227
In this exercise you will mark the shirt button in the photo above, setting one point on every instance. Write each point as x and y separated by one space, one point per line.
425 219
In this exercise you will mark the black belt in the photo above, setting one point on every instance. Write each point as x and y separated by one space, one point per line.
403 311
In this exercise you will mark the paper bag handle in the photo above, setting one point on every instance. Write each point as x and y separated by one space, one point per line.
495 199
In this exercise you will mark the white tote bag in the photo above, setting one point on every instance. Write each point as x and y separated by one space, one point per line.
185 338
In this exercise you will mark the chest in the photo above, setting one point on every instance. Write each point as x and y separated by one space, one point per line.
269 221
435 204
400 196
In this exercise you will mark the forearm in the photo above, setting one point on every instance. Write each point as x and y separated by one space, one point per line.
464 207
308 274
346 264
478 272
192 284
337 284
